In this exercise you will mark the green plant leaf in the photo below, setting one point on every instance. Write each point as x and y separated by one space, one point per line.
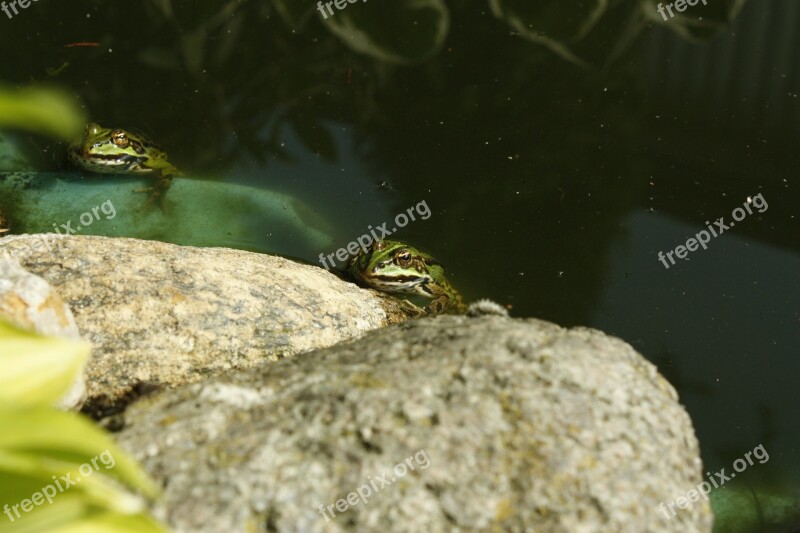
35 369
112 523
49 447
70 511
54 438
401 31
42 110
59 471
25 476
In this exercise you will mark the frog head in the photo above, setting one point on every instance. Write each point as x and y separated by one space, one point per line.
117 151
393 266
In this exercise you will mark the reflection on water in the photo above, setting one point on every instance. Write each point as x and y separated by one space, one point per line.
717 328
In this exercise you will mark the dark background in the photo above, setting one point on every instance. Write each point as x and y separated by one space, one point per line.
552 186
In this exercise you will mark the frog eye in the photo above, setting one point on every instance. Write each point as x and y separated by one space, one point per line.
379 245
120 138
403 257
91 129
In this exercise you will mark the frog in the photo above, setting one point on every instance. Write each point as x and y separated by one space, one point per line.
395 267
119 151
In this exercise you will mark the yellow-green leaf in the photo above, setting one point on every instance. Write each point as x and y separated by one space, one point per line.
35 369
47 434
43 110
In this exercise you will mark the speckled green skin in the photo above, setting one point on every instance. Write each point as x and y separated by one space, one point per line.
393 266
118 151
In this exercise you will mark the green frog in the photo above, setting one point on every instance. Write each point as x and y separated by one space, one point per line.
118 151
393 266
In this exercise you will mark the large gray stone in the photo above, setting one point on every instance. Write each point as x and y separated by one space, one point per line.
510 425
160 314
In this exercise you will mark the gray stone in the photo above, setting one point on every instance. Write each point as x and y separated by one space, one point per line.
160 314
30 303
510 425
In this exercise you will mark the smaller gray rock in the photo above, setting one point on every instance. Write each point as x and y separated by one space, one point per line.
31 303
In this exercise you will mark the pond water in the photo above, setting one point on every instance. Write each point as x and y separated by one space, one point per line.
553 182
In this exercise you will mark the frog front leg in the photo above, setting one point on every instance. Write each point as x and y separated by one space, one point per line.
438 305
441 299
3 224
414 309
157 191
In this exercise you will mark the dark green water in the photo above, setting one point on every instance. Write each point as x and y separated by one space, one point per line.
552 187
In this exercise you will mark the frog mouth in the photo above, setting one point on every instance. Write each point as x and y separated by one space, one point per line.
397 283
111 162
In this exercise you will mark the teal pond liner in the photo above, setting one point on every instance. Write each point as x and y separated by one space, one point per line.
195 212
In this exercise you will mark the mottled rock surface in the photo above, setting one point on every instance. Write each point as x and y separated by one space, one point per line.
30 303
161 314
510 425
